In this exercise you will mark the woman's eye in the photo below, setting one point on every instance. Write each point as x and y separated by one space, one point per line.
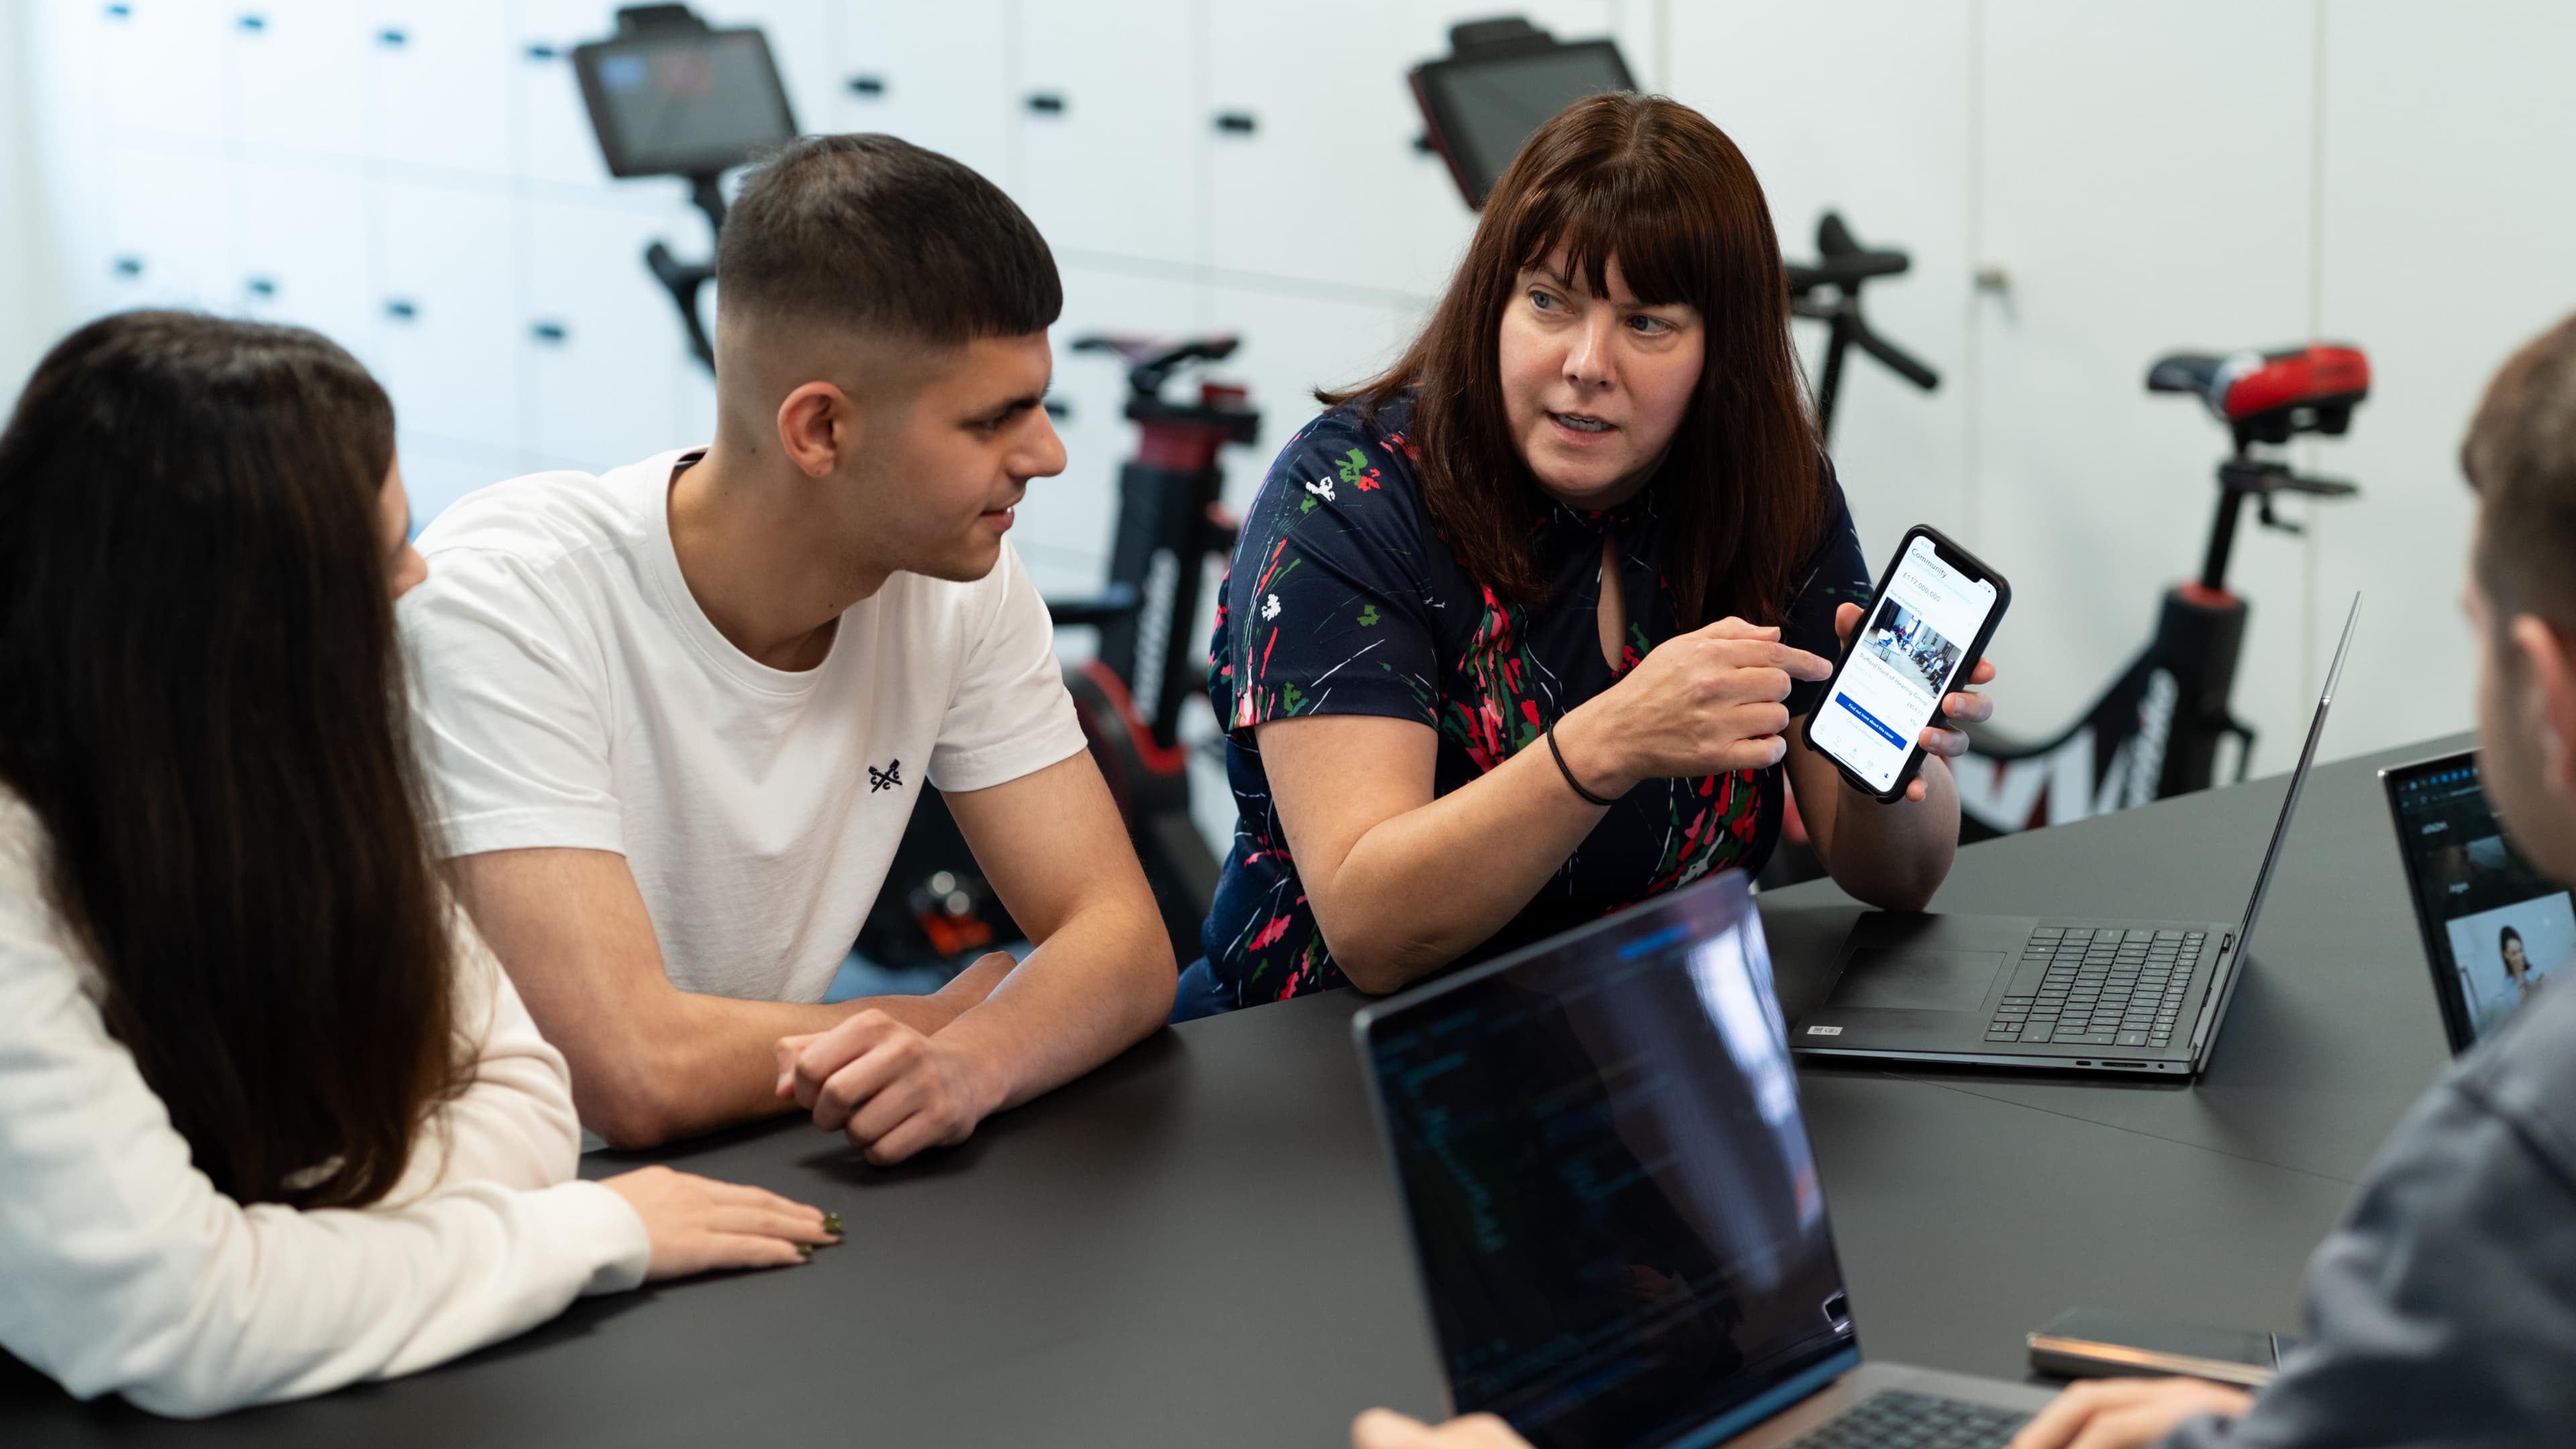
1542 301
1651 326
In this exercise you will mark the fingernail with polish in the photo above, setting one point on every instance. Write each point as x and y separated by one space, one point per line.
805 1250
832 1224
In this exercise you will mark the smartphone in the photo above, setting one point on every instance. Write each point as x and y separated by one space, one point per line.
2092 1343
1923 631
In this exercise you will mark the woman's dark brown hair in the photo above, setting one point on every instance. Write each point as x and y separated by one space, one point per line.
1652 183
202 700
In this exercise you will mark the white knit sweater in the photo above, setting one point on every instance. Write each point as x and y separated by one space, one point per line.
123 1270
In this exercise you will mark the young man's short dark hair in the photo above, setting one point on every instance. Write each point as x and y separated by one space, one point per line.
2521 457
882 237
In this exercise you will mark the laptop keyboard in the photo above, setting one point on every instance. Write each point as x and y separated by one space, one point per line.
2106 987
1916 1421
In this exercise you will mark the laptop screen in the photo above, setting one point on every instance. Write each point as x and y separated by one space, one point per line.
1612 1200
2494 928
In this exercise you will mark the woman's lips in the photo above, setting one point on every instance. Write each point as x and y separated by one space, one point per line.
1564 426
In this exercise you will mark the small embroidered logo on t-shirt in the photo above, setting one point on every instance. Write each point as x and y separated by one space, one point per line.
891 777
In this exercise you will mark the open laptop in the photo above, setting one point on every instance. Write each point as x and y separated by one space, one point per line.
2059 993
2495 929
1613 1206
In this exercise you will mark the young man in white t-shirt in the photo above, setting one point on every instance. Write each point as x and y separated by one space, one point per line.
677 715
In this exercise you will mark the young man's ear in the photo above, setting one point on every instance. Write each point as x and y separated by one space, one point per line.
2542 653
817 428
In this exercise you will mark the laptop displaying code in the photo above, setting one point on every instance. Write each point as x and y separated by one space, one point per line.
1612 1193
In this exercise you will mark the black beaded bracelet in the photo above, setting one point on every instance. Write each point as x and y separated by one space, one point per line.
1568 771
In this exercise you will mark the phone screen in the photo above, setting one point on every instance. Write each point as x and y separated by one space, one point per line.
1911 643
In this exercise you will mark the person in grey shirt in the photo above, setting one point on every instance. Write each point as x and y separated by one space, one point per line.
2443 1311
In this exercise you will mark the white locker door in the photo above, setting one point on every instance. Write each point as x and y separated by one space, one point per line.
162 66
1326 184
1112 127
1901 452
301 252
167 230
451 335
439 79
2152 198
936 76
556 142
605 345
298 71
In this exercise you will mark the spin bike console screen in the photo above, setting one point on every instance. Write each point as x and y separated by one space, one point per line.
1931 617
1482 108
683 103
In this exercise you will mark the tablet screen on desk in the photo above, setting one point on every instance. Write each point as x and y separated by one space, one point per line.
2496 930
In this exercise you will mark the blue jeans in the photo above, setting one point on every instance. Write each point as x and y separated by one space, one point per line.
1201 994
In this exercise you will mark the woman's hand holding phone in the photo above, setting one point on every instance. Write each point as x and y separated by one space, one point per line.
1963 706
1704 703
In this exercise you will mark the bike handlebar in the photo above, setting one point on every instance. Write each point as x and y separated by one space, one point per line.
1844 261
1897 361
1152 360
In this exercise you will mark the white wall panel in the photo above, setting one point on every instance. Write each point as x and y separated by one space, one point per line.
167 228
2450 132
605 348
1328 186
450 345
439 76
294 63
1116 167
300 252
161 69
1902 452
555 142
2146 191
941 78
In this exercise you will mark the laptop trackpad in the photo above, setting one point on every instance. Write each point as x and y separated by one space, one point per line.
1909 978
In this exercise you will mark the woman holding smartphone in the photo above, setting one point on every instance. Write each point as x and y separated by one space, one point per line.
272 1119
1515 634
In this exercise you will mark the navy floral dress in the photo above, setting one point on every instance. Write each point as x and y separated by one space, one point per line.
1343 598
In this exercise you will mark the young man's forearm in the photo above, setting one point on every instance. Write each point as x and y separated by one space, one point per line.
1102 982
717 1065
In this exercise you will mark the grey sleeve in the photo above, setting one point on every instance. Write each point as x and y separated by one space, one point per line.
2444 1310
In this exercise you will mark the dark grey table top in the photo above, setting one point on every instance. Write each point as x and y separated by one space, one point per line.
1199 1244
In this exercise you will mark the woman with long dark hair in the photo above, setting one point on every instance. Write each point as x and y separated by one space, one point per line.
271 1117
1515 634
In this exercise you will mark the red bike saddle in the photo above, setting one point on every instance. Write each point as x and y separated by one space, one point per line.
2269 396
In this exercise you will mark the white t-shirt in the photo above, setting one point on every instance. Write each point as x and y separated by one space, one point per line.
569 692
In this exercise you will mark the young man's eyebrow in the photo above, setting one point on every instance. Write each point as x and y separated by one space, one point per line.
1010 409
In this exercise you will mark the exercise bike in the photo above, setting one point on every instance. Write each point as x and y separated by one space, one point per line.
935 908
2156 731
